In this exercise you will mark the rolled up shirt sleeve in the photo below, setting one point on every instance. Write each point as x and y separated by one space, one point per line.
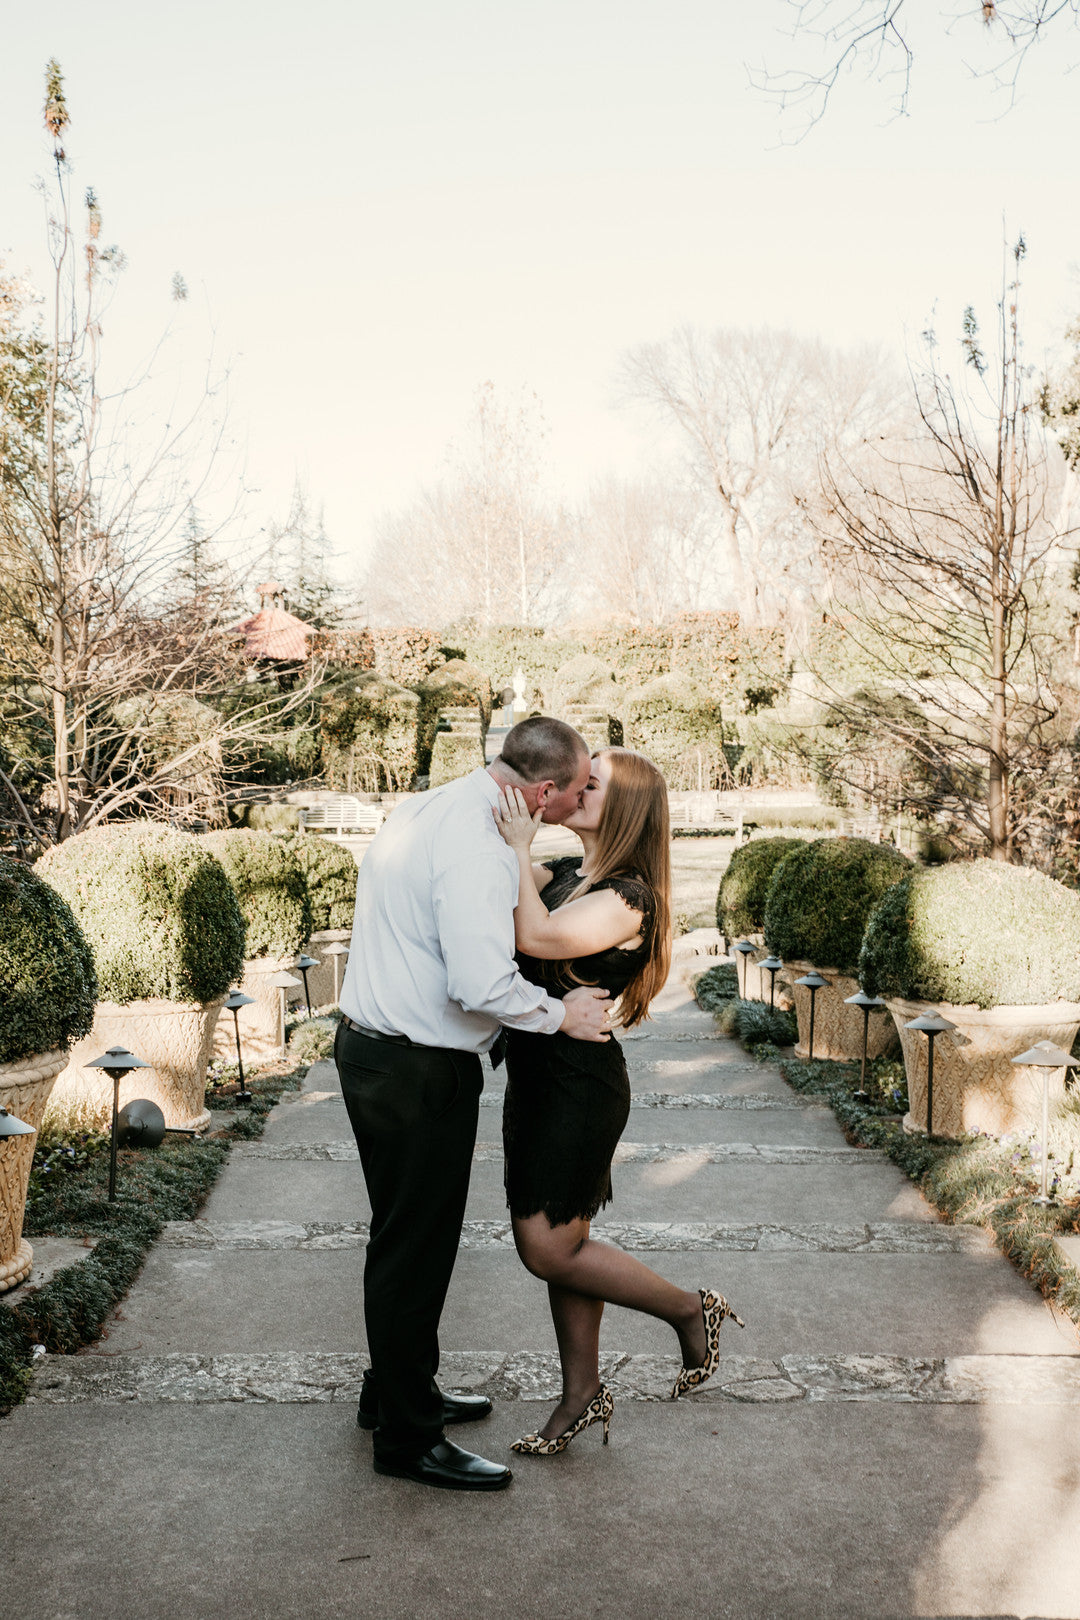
474 913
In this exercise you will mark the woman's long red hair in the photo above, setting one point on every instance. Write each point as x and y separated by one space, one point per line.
634 838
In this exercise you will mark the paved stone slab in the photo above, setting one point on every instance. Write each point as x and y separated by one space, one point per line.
625 1153
51 1254
285 1377
666 1237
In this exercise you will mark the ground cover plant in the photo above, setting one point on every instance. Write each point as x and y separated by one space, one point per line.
157 910
67 1198
821 895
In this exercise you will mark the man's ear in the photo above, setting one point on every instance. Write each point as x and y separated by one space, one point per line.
544 791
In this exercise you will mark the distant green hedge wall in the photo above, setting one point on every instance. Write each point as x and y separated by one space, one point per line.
740 903
976 932
453 756
270 885
330 874
157 910
676 723
47 981
821 895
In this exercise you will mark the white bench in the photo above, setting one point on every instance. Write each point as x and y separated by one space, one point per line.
690 811
342 814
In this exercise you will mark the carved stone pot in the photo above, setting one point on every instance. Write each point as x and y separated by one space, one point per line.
976 1085
174 1037
261 1034
321 978
838 1029
24 1090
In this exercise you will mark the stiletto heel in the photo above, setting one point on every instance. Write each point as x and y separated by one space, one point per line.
714 1308
599 1410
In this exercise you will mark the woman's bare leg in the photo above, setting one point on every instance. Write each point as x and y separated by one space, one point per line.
578 1267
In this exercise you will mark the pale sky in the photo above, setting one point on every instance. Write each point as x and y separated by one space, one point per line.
378 208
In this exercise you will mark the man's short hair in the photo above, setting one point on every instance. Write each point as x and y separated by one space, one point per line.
541 749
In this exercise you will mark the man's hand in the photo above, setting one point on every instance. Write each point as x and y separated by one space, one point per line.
587 1012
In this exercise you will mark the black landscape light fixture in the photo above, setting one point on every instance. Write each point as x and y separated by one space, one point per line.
304 963
867 1004
10 1126
772 966
1045 1055
117 1062
237 999
744 949
930 1024
283 982
337 950
812 981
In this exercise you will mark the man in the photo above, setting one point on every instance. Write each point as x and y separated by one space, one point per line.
430 983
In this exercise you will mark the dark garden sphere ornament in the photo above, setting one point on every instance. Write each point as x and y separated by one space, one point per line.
117 1062
1046 1056
338 951
304 963
744 949
867 1005
812 981
930 1024
772 966
140 1124
237 999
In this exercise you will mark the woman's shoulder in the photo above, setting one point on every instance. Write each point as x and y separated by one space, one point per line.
633 889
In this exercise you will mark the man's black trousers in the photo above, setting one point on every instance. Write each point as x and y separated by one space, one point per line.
413 1111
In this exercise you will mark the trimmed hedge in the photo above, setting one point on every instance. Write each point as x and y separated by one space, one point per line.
47 981
740 902
821 895
678 725
454 755
374 735
270 885
976 932
157 910
330 874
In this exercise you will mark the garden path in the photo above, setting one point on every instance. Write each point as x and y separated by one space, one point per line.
895 1433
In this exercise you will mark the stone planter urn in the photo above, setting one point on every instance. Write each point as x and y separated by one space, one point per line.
174 1037
838 1029
25 1086
976 1085
261 1035
321 978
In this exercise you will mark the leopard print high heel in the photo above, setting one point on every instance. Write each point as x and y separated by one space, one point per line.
714 1308
599 1410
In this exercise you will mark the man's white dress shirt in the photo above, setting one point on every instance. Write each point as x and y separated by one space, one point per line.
432 952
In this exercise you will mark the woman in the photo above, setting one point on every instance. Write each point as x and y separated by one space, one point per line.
604 919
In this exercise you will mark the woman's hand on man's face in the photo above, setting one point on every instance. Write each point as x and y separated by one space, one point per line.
514 820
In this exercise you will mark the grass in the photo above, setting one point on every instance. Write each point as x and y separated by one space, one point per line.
68 1198
978 1181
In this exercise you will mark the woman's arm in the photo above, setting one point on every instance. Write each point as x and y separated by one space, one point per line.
595 922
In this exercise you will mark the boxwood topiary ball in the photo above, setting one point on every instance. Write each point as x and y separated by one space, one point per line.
47 982
975 933
270 885
330 874
821 895
740 903
157 910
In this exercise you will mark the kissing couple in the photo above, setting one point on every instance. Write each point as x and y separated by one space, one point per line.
462 946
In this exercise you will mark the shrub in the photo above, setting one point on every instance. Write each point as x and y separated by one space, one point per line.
313 1040
269 883
157 910
975 932
371 731
461 685
330 874
740 902
279 818
454 755
584 679
755 1023
821 895
47 982
679 726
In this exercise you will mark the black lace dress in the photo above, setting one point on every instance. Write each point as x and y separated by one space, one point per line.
567 1101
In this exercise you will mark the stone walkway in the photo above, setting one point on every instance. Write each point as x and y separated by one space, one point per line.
897 1432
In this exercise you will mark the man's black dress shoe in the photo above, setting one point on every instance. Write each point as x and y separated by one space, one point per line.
456 1409
451 1468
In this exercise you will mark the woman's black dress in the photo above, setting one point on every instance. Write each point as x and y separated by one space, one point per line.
567 1101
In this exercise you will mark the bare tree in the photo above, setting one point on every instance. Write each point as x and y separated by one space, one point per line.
942 564
877 37
107 650
754 409
644 549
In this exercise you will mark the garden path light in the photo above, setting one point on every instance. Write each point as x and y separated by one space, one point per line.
303 964
772 966
812 981
117 1062
868 1004
931 1025
1045 1055
237 999
10 1126
744 949
337 950
283 981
